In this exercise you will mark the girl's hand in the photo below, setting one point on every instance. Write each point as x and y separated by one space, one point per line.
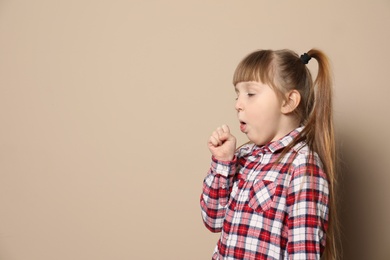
222 144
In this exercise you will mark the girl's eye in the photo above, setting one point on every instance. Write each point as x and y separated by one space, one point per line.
247 94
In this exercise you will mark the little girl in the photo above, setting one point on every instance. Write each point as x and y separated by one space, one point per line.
273 198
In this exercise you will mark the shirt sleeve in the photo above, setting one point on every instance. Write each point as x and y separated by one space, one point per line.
307 208
216 191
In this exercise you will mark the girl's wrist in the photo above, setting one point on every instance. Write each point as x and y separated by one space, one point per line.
223 159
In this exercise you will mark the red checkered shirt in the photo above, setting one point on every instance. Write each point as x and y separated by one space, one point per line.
265 208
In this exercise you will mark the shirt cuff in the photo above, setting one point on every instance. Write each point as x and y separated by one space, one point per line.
224 168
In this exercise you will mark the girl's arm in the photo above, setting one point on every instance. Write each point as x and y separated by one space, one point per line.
307 206
216 192
217 184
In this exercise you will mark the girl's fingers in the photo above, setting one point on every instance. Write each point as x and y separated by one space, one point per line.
220 135
219 131
214 141
225 128
215 135
222 130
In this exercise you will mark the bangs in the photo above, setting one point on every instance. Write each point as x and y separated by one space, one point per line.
257 66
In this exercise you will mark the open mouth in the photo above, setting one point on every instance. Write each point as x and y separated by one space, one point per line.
242 126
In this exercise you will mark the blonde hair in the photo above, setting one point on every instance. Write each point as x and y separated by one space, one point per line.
283 70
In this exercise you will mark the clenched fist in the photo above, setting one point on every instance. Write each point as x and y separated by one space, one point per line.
222 144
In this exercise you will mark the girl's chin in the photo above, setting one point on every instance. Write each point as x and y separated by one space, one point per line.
255 140
251 139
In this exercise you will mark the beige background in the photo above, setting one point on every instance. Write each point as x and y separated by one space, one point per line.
106 106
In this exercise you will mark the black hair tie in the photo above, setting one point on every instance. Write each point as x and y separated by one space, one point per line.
305 58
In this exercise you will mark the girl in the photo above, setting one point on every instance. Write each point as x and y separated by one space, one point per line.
273 198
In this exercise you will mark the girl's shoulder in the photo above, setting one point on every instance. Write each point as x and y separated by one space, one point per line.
302 148
305 156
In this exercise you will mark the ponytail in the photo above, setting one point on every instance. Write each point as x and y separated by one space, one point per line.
319 134
316 114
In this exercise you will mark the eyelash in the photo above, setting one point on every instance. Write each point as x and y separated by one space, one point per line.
248 94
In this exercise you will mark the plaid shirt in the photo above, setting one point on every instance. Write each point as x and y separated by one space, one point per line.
266 209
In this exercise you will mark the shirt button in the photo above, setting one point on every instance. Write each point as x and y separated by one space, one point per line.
223 186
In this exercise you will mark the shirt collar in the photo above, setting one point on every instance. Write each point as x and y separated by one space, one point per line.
279 144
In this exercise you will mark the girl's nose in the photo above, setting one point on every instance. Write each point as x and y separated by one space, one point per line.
238 105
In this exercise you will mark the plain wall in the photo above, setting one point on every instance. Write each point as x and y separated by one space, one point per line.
106 107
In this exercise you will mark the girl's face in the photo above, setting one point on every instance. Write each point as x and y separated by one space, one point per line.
259 112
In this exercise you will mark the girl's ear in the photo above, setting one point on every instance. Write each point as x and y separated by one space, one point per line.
291 102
